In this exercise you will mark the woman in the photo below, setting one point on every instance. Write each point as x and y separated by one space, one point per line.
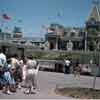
77 69
18 71
10 82
24 72
30 75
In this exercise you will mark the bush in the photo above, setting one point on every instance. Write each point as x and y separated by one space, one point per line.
84 57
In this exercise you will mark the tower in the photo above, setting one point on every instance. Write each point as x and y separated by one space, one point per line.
93 26
93 20
17 32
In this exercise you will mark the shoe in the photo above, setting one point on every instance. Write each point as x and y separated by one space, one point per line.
7 92
19 87
27 92
32 92
34 88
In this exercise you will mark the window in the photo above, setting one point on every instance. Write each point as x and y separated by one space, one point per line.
72 34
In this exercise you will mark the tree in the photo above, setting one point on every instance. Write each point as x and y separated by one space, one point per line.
92 38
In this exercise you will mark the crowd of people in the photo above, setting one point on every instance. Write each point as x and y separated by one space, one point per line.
14 71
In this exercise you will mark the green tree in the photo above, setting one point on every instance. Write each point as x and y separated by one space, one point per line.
92 38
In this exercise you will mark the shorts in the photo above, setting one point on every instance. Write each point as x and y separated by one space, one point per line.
9 80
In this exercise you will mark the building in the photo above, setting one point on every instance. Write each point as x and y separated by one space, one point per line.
76 38
68 39
12 43
58 37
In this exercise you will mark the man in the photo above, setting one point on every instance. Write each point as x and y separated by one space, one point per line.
67 66
17 71
2 58
5 77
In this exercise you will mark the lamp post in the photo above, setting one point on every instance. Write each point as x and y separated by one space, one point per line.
85 40
57 42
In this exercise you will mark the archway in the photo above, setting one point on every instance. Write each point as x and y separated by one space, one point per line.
51 45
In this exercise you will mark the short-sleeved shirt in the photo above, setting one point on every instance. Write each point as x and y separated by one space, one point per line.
2 59
31 64
67 62
31 67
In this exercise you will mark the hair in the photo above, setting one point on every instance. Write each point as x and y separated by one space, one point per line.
24 61
9 61
0 50
15 55
77 62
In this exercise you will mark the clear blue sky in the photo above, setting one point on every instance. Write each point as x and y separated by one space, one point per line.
35 13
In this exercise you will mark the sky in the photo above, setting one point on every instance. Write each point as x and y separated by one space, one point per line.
36 13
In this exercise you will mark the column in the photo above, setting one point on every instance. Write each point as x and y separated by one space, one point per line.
85 41
56 43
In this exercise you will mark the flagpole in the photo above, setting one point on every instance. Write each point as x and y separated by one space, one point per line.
2 21
5 19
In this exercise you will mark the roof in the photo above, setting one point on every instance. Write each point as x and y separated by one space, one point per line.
33 39
95 13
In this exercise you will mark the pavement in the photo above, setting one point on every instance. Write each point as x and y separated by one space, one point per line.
48 81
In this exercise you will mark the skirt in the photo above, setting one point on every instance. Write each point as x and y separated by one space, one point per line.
30 80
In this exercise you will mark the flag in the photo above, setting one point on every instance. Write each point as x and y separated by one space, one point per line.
59 14
44 27
20 21
6 17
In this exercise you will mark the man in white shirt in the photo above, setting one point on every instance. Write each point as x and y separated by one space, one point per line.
67 66
6 76
2 58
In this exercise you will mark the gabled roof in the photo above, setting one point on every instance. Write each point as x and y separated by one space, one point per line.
95 13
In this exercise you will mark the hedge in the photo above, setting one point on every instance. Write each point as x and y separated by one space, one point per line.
84 57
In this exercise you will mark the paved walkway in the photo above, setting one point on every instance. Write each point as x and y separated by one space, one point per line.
47 82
